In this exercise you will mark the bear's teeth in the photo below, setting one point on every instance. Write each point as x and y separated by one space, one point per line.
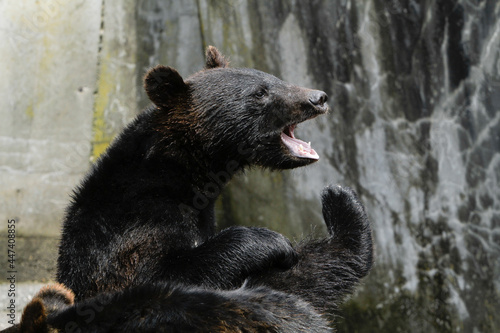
299 148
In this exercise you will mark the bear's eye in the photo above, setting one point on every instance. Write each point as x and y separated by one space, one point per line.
261 93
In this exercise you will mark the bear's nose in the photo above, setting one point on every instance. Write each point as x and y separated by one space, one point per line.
318 98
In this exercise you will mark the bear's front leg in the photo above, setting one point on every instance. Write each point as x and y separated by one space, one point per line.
328 268
348 225
225 260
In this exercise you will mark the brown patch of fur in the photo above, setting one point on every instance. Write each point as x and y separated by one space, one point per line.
59 291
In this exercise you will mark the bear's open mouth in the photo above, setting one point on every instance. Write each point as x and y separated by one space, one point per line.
297 148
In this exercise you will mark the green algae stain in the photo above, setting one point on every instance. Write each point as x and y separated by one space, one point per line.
102 136
30 111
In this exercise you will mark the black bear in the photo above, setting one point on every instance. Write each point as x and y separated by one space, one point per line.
145 211
170 308
272 301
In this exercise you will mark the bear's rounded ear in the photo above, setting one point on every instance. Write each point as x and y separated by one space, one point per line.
162 84
56 297
34 318
215 59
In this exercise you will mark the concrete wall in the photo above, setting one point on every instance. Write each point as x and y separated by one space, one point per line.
48 83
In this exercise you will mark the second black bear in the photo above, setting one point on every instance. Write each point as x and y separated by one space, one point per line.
145 211
171 308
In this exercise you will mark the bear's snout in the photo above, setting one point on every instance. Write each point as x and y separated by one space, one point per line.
318 98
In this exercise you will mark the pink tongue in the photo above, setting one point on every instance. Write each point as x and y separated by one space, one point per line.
299 148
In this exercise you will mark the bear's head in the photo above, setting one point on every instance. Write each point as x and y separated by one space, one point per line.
236 114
